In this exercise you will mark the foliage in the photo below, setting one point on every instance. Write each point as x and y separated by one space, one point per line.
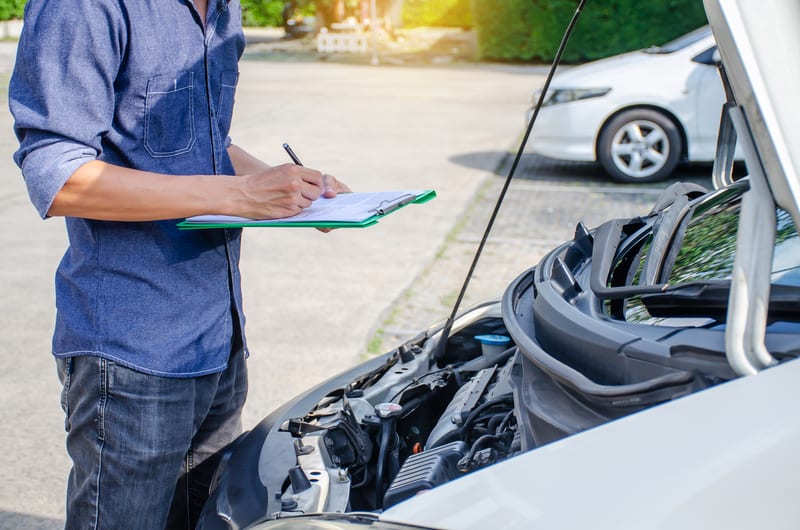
415 13
254 12
11 9
443 13
527 30
262 12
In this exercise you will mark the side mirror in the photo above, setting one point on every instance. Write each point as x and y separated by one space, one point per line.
710 57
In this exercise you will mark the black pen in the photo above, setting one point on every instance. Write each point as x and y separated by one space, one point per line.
325 178
292 155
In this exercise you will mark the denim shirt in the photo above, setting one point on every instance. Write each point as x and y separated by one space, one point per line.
141 84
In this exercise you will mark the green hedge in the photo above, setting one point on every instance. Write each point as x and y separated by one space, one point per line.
416 13
443 13
11 9
262 12
531 30
255 12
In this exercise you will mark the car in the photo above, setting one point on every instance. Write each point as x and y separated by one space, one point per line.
295 24
299 26
641 375
639 114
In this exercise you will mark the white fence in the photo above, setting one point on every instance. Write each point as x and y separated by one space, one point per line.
341 42
10 29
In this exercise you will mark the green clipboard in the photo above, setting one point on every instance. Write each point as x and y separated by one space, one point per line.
371 216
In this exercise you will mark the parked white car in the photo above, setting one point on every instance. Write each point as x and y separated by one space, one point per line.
639 114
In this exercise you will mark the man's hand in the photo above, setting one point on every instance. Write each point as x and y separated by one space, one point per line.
284 191
279 191
331 186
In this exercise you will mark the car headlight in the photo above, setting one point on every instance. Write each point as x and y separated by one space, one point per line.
565 95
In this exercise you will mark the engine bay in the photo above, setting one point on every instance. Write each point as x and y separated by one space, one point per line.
409 426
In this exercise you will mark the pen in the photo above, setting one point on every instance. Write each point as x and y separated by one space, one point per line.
325 178
292 155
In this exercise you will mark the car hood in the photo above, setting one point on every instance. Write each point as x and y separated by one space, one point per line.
541 488
601 71
607 455
636 469
617 69
757 43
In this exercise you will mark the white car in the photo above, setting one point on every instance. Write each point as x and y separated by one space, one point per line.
643 375
639 114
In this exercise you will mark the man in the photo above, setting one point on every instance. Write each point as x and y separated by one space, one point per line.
122 109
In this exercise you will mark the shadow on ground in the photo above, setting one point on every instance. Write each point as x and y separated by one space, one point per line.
21 521
538 168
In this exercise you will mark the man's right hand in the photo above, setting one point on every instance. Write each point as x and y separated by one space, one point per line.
279 191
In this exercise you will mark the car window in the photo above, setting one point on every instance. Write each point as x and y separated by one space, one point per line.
704 249
681 42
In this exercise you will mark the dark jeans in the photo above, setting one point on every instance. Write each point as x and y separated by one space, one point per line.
132 437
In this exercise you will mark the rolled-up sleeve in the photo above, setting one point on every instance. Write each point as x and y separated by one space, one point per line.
62 100
48 165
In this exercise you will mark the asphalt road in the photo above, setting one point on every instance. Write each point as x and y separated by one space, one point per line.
314 300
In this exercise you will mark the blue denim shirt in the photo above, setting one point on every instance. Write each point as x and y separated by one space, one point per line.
141 84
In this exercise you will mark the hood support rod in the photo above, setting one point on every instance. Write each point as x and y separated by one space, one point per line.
746 328
445 335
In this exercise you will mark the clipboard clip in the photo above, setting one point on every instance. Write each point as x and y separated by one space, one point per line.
390 205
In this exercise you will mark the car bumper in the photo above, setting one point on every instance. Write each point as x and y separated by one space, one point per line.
245 486
568 131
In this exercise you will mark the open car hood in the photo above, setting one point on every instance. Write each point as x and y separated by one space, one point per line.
758 42
582 417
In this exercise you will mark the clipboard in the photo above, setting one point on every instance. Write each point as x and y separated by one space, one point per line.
346 210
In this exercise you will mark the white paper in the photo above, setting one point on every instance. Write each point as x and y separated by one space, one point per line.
345 207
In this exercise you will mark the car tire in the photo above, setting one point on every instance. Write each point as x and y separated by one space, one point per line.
639 145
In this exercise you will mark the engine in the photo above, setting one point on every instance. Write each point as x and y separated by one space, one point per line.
422 420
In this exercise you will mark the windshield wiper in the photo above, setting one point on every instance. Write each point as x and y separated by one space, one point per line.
670 208
712 299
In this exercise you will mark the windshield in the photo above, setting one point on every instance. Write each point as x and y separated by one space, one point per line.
704 249
681 42
708 247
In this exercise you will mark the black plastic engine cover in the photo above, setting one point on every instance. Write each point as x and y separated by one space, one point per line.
424 471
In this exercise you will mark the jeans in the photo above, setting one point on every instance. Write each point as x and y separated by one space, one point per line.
144 448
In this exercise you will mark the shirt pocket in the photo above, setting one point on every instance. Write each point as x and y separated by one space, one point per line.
227 92
169 115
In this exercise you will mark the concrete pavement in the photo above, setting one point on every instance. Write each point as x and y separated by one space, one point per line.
312 299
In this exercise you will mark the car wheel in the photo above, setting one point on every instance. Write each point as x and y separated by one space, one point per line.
639 146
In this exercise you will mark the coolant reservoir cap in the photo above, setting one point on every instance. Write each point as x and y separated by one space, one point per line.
387 410
494 340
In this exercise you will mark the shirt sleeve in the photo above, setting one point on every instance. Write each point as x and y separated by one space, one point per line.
61 93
